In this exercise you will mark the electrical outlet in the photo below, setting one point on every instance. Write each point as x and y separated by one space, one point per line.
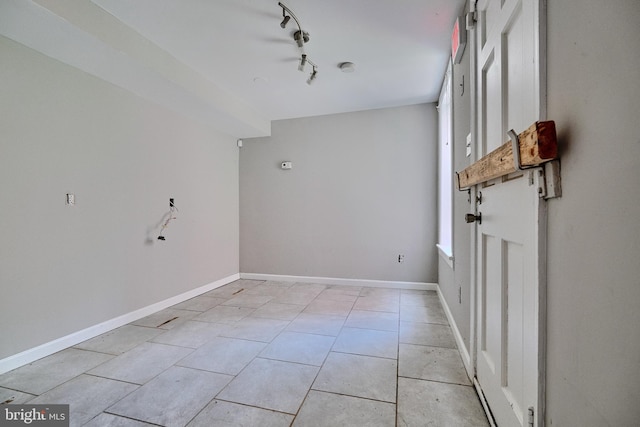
400 258
71 199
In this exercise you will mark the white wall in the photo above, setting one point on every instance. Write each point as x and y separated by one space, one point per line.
362 191
455 283
594 235
62 268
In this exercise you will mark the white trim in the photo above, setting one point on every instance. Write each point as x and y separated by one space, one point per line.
46 349
340 281
446 254
472 43
483 401
464 353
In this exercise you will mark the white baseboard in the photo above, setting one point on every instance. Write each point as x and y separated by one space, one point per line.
464 352
46 349
345 282
466 358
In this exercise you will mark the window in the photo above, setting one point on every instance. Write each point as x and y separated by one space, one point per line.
445 170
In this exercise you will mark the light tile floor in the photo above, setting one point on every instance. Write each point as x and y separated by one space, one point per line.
256 353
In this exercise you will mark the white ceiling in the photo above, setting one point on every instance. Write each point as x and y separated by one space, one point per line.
230 63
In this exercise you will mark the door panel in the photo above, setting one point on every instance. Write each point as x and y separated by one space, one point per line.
492 92
514 366
491 302
515 79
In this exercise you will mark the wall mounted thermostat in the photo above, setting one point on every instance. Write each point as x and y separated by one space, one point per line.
286 165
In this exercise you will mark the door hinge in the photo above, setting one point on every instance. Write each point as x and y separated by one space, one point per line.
531 417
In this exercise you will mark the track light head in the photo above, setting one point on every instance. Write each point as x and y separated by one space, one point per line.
298 37
313 75
285 20
303 62
301 37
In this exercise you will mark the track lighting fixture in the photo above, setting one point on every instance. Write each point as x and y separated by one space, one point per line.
300 37
313 75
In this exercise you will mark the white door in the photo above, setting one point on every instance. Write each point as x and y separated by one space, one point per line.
508 239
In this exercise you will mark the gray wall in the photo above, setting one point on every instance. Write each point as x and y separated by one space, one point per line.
458 279
64 268
362 191
594 235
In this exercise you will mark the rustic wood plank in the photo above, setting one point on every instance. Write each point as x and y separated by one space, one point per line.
538 144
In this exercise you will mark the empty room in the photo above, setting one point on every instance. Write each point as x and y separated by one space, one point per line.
319 213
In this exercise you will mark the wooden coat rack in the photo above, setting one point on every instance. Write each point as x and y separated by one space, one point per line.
535 146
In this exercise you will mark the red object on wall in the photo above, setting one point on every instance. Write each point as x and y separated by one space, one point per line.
458 41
